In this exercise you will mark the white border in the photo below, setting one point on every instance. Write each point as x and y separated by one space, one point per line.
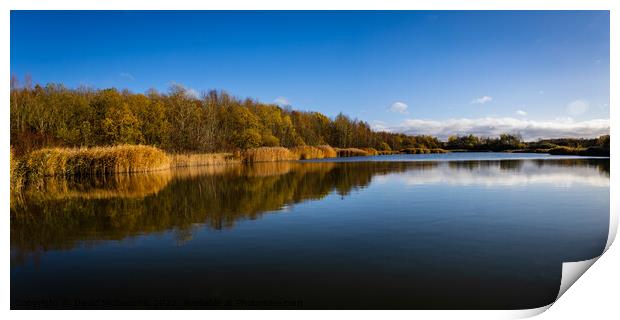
584 303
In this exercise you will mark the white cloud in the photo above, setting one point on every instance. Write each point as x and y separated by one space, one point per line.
399 107
494 126
127 75
521 113
379 125
482 100
282 101
578 107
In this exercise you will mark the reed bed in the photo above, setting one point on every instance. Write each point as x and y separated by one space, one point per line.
203 159
16 175
102 161
351 152
309 152
328 151
265 154
92 161
371 151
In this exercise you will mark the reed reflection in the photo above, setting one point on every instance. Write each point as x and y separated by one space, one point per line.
61 214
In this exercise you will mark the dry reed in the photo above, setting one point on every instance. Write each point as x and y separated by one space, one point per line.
264 154
93 161
101 161
328 151
205 159
309 152
371 151
16 175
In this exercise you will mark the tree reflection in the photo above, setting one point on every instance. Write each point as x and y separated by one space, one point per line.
61 214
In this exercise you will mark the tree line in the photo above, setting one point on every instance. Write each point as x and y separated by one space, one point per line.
178 121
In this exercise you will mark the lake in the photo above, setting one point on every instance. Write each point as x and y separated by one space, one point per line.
440 231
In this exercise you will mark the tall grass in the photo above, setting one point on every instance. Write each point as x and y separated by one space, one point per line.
16 175
264 154
92 161
204 159
371 151
269 154
328 151
101 161
309 152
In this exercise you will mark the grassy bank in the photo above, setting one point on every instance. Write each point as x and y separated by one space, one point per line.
17 179
265 154
100 161
270 154
86 162
309 152
203 159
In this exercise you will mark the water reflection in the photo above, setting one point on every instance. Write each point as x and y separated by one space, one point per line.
332 235
512 173
60 214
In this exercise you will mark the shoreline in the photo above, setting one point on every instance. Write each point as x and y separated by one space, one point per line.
32 168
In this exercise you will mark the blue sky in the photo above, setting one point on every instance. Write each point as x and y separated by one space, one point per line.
541 74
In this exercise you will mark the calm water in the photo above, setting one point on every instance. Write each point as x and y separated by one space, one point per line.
320 235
